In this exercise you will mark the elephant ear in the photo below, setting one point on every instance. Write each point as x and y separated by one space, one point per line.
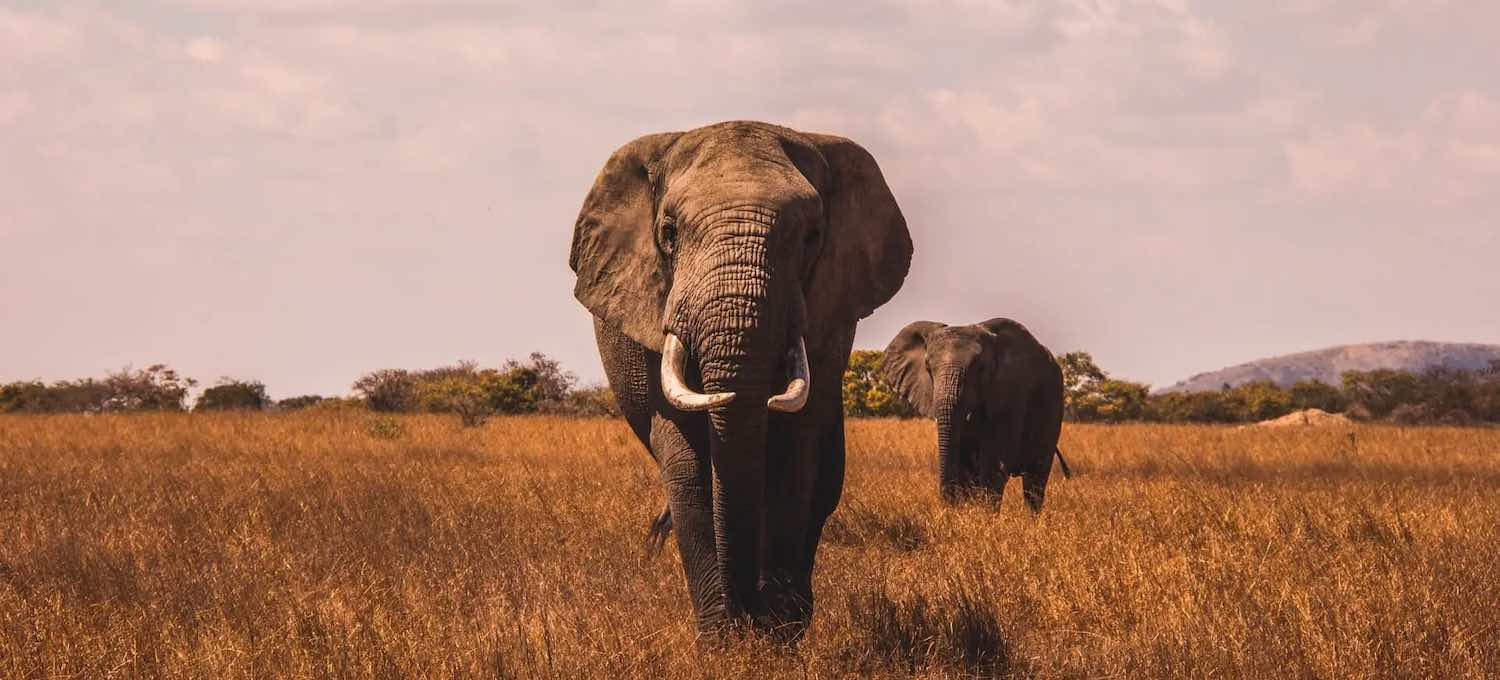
905 366
867 248
620 275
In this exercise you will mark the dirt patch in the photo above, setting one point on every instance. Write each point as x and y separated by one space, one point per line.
1312 416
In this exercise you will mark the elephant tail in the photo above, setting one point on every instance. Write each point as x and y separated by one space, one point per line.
1067 473
660 528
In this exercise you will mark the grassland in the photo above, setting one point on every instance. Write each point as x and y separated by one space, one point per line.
339 545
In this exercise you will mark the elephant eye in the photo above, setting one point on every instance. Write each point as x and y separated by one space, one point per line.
812 236
668 236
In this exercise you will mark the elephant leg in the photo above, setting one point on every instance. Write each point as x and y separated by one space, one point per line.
792 472
629 367
1034 487
998 448
804 485
971 457
1043 427
682 442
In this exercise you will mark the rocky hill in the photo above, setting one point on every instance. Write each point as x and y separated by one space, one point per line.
1328 364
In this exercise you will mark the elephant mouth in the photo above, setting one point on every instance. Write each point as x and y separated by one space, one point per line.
683 398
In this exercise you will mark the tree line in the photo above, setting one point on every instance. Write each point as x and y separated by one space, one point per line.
539 384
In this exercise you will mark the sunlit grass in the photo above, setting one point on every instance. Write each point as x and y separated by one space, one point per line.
323 545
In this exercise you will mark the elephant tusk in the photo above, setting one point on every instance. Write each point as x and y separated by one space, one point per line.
673 359
795 396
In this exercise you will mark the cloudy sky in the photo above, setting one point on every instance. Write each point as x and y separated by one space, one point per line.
303 190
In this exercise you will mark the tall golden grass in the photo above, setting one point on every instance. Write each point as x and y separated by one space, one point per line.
341 545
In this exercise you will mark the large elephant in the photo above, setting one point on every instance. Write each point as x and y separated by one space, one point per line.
726 268
997 396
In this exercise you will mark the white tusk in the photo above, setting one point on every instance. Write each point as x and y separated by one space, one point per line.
673 359
795 396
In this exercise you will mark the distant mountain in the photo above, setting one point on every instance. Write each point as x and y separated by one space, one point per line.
1328 364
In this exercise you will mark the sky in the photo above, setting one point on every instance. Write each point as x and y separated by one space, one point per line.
301 191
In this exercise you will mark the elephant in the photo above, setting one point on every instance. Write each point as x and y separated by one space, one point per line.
997 396
726 268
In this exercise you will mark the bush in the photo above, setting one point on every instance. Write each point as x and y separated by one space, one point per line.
595 401
1191 407
1319 395
1090 395
63 396
1381 391
388 389
155 388
866 393
233 395
462 393
298 403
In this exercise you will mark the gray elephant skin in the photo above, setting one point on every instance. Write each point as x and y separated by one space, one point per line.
726 268
997 396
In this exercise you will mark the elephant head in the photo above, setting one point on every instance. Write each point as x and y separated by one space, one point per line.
740 252
995 392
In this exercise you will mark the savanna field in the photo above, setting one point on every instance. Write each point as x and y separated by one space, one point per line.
346 544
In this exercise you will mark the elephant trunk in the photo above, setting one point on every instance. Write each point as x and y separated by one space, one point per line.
738 324
946 410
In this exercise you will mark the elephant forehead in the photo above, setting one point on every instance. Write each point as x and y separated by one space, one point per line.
954 343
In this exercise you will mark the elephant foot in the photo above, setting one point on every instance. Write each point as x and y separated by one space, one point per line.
786 611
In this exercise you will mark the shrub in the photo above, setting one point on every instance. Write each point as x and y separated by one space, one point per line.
462 393
1319 395
866 393
155 388
298 403
386 427
594 401
1381 391
1090 395
233 395
388 389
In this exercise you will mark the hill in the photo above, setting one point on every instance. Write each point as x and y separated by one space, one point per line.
1328 364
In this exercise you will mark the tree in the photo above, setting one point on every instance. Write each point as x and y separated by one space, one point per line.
1090 395
1191 407
1380 391
865 391
546 377
462 394
155 388
1110 401
233 395
1258 400
298 403
1080 374
1317 394
388 389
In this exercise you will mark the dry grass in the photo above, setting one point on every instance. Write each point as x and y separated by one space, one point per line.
320 545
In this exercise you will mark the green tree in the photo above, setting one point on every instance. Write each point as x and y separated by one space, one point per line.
298 403
233 395
866 393
1317 394
1109 401
1090 395
388 389
1381 391
1258 400
463 394
154 388
1191 407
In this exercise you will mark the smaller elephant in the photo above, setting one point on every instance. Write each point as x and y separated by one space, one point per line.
997 396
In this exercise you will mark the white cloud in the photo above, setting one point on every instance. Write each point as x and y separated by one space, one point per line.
330 165
204 48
